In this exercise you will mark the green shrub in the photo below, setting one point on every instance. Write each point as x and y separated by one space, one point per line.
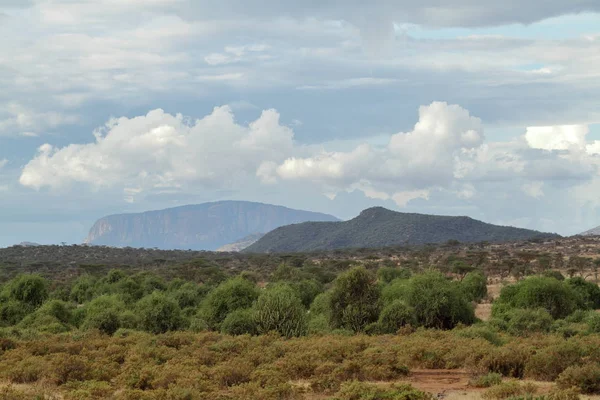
395 290
585 377
103 313
554 274
388 274
355 390
593 322
481 331
83 289
307 290
354 300
523 322
279 309
508 390
438 302
240 322
394 316
485 381
158 313
558 298
13 311
474 285
231 295
589 292
28 289
548 363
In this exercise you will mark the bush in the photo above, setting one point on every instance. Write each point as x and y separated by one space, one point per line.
103 313
395 290
28 289
486 381
438 302
231 295
593 323
83 289
394 316
548 363
589 292
585 377
279 309
13 311
388 274
240 322
525 322
354 300
307 290
554 274
158 313
507 390
558 298
474 285
367 391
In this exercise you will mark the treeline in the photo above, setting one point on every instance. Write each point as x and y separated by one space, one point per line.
297 302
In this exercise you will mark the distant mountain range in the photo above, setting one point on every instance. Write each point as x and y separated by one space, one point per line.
592 232
207 226
380 227
241 244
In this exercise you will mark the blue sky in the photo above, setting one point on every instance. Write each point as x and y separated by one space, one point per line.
479 108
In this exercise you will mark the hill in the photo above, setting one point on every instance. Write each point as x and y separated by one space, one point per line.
205 226
592 232
241 244
379 227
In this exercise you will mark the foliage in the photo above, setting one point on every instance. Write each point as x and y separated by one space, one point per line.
229 296
158 313
354 300
589 292
474 285
103 313
584 377
240 322
438 302
556 297
388 274
279 309
394 316
487 380
31 290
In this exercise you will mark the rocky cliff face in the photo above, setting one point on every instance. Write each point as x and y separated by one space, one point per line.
205 226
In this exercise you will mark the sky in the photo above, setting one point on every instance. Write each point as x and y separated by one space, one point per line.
458 107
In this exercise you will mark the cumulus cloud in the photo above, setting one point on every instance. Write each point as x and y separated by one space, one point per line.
557 137
160 151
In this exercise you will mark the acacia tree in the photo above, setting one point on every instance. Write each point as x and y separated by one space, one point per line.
354 300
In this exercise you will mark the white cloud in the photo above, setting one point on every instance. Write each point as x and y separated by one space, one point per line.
3 163
533 189
159 150
16 119
557 137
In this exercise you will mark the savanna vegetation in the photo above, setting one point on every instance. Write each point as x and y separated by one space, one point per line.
302 327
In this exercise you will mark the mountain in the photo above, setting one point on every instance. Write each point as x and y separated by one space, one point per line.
241 244
592 232
379 227
205 226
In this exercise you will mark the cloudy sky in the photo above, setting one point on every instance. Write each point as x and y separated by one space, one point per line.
464 107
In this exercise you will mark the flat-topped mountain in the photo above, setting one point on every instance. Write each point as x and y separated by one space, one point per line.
380 227
205 226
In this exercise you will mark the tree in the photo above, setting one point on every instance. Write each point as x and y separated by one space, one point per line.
354 300
279 309
240 322
461 268
103 313
438 302
589 292
554 296
474 286
231 295
28 289
396 315
158 313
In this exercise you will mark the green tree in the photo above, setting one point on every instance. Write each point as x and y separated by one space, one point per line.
388 274
474 286
394 316
103 313
556 297
438 302
589 292
28 289
240 322
279 309
354 300
231 295
158 313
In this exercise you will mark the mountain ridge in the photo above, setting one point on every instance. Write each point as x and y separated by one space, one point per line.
205 226
380 227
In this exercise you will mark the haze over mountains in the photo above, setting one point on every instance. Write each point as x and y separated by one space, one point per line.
205 226
380 227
